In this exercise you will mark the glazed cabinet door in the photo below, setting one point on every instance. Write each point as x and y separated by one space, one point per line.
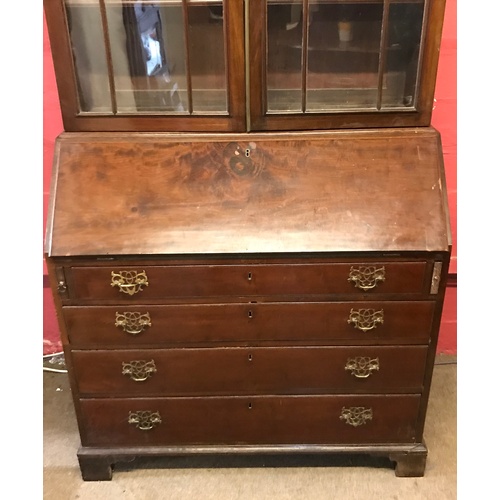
342 63
167 65
236 65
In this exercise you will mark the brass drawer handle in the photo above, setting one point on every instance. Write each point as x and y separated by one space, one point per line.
144 420
366 319
139 370
356 415
366 277
362 366
132 322
129 282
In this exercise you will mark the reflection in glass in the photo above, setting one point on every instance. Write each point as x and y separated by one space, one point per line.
351 56
163 57
144 80
207 57
343 55
403 50
89 53
284 56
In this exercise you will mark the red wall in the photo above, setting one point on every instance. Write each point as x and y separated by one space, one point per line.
444 119
52 127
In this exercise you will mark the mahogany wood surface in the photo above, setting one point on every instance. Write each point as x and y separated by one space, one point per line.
158 194
245 280
307 322
249 370
250 420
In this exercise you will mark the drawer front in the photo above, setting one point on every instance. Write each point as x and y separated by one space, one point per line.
124 283
245 370
344 419
363 322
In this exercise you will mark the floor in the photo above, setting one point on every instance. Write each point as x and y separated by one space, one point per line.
351 479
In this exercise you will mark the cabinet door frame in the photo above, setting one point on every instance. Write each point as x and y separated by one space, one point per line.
420 115
76 121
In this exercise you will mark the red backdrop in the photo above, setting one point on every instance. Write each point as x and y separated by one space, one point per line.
444 119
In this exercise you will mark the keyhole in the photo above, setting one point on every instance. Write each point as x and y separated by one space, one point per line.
249 406
249 276
249 357
250 314
247 153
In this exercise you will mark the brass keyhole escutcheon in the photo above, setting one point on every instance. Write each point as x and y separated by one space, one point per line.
250 314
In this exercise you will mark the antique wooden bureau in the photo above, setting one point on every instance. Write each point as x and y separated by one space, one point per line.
248 237
274 295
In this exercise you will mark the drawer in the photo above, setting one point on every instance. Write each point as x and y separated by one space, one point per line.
124 283
353 322
248 370
344 419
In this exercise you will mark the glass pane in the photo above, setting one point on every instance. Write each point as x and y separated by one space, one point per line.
343 55
148 55
89 53
284 55
403 50
137 57
207 56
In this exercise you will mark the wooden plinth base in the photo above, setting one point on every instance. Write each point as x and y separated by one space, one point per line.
97 464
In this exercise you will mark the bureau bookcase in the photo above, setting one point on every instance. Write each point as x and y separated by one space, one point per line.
248 234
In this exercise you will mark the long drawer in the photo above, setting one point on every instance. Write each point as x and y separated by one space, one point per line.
122 282
363 322
364 419
234 371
